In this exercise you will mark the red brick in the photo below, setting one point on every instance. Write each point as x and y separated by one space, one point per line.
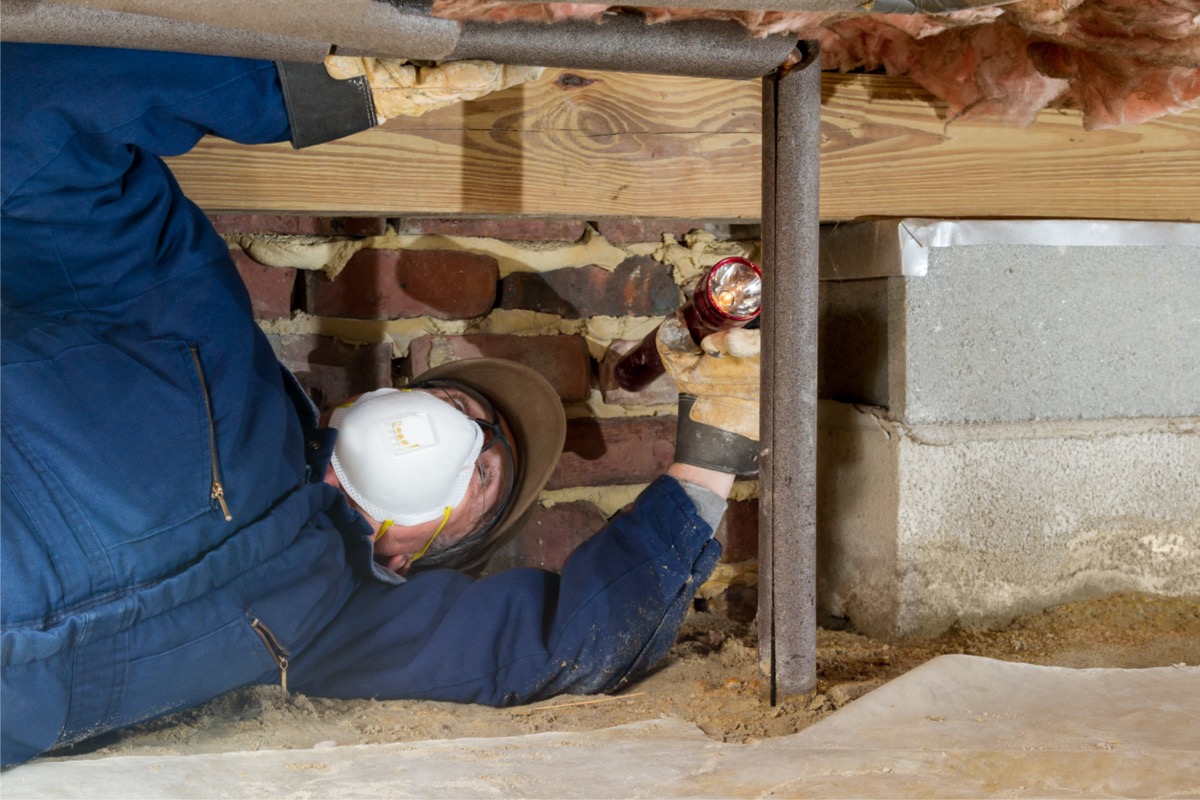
270 288
521 229
738 531
639 286
310 226
351 226
549 537
562 360
390 284
609 452
330 370
632 230
660 391
637 229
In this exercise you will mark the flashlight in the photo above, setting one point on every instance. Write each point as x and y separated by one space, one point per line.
728 296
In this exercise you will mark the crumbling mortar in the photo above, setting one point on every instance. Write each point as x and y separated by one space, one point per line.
595 408
598 332
329 254
951 434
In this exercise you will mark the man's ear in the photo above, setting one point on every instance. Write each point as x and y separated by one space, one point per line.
400 565
331 477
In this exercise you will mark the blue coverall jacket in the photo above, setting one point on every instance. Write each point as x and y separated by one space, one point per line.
135 381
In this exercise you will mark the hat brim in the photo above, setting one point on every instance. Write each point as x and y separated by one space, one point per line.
534 413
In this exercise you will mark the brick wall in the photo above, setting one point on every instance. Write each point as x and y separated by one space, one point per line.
352 304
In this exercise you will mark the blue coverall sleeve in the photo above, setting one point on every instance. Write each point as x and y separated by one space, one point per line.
525 634
68 112
92 216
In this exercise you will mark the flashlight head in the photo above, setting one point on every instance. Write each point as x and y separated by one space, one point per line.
733 289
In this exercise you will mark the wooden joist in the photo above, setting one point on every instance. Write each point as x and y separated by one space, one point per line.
604 144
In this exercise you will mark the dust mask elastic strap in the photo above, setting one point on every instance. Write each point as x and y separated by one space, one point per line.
388 523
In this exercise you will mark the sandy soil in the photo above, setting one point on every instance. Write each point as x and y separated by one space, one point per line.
711 680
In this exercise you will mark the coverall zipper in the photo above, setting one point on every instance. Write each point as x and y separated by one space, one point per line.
218 491
277 651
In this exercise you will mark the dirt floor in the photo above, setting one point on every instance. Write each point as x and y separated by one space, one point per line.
711 680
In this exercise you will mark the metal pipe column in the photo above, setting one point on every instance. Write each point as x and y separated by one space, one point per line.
787 627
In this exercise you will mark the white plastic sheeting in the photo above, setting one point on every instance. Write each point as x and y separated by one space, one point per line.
959 726
886 248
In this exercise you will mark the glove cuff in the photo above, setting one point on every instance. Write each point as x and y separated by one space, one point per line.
321 108
712 448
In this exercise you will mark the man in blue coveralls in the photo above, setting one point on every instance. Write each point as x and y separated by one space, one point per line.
178 521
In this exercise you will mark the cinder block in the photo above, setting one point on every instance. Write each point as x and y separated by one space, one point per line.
639 286
391 284
1017 332
1010 321
562 360
921 527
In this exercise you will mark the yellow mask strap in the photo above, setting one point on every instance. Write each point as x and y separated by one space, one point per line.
445 517
387 523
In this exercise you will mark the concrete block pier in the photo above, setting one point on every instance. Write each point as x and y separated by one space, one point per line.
1010 418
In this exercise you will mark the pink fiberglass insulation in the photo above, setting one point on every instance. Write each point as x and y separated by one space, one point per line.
1119 61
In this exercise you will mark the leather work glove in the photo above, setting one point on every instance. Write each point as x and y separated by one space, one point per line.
399 88
718 383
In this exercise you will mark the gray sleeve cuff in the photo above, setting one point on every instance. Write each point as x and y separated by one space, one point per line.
321 108
710 506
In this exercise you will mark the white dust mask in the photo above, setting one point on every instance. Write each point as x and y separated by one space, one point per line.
404 455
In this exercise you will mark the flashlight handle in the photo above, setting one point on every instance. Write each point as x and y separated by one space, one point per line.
638 368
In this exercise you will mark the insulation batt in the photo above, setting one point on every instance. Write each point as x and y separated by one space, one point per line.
1119 61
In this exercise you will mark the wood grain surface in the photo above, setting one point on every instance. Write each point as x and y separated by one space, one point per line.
603 144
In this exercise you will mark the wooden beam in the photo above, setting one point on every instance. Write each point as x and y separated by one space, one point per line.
599 144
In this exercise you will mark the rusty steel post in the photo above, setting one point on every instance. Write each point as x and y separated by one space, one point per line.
787 627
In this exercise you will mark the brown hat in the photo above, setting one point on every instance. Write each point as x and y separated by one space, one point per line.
534 413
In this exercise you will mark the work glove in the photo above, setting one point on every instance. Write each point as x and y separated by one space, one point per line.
718 382
347 94
399 88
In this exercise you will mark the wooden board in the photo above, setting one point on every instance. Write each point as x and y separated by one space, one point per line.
599 144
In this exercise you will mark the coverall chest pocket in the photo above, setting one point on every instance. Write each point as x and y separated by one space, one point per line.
127 442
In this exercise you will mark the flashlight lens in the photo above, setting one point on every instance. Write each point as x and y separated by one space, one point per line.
736 288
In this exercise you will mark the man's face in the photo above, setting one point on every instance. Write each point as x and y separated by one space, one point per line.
399 545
